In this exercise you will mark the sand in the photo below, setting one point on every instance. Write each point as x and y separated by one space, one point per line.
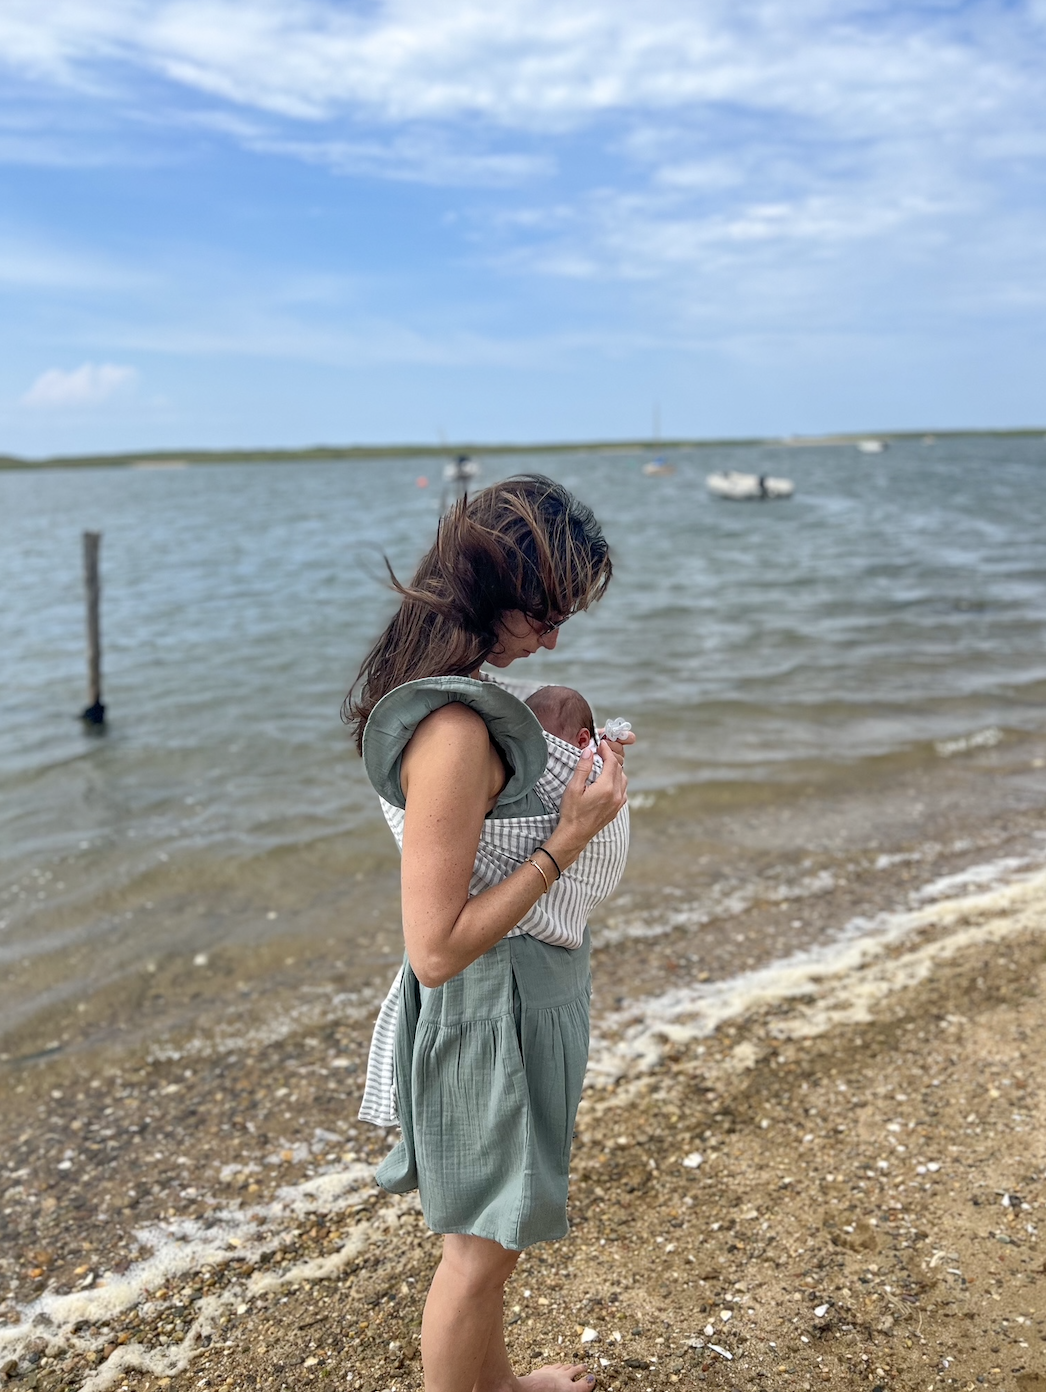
830 1173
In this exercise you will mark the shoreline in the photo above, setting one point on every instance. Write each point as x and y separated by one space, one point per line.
716 886
181 458
816 1173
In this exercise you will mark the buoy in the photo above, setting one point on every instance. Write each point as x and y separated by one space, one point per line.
422 481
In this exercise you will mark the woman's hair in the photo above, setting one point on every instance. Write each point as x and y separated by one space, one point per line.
525 544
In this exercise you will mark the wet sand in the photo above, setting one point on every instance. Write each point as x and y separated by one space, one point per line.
825 1174
720 878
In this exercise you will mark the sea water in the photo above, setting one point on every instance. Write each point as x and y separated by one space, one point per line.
896 603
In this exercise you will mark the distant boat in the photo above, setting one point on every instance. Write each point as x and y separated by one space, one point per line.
458 477
871 446
657 468
461 470
743 488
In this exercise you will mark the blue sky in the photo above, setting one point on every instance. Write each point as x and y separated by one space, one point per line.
238 222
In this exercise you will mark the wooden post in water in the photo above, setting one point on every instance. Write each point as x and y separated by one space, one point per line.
94 714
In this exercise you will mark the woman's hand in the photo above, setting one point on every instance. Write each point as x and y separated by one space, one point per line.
617 747
588 807
450 777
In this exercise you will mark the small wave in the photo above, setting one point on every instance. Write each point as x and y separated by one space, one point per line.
981 739
992 872
888 859
809 992
182 1248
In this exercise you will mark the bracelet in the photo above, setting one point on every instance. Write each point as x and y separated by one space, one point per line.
552 858
531 861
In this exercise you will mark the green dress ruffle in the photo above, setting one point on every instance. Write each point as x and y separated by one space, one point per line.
513 726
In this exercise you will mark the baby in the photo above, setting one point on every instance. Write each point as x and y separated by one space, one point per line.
565 713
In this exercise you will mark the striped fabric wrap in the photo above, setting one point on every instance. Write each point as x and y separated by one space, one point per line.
559 917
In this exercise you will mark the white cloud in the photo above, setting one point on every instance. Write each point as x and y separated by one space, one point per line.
783 101
534 65
644 234
86 385
740 122
724 160
415 158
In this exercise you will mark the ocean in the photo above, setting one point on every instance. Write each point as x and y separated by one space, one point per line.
892 613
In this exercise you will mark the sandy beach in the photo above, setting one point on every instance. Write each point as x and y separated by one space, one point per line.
819 1165
725 304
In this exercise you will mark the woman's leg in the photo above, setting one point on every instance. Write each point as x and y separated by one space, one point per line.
496 1374
463 1306
462 1334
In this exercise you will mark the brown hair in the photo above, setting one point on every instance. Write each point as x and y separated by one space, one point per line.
525 544
561 708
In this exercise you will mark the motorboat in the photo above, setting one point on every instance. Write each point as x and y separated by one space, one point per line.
871 446
461 470
742 488
458 478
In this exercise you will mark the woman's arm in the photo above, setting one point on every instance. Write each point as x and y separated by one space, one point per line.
447 776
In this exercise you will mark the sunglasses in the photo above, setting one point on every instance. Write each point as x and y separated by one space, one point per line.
547 625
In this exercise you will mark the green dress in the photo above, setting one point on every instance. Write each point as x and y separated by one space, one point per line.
489 1066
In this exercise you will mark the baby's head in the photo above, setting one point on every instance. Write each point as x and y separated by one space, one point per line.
564 712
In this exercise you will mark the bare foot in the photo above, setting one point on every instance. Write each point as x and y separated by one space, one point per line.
558 1377
554 1377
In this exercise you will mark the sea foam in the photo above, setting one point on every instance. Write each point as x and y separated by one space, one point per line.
837 982
834 983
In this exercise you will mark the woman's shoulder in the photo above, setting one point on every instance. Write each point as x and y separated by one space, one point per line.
456 723
511 725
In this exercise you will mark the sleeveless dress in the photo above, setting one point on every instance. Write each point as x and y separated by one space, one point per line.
488 1068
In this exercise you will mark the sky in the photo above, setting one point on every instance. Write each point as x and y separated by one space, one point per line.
231 223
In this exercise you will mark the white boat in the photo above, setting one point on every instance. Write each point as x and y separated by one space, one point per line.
458 478
871 446
657 468
742 488
461 470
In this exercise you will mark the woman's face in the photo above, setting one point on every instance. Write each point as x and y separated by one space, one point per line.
520 636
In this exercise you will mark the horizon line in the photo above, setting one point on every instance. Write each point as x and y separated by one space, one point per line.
172 456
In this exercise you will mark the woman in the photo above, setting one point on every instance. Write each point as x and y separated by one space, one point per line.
493 1028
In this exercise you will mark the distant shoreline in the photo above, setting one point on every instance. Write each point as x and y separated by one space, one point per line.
179 458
